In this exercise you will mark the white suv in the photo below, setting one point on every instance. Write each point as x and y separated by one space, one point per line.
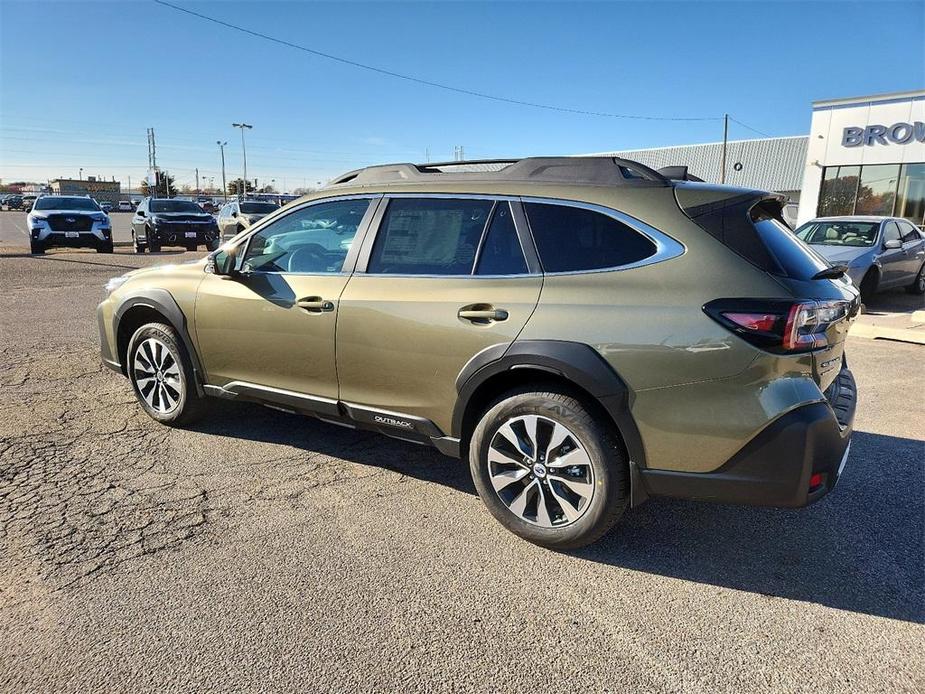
73 221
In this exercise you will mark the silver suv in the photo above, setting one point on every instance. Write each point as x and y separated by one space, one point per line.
72 221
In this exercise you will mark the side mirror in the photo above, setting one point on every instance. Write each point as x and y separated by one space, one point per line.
140 213
234 214
892 243
223 262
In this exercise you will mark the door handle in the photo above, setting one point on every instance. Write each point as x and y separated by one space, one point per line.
483 314
315 304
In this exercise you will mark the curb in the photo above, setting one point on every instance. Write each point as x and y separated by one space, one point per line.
872 332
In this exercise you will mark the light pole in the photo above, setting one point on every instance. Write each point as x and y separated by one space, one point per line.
221 146
80 176
243 150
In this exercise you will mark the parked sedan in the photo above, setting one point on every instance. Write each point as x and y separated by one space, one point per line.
879 252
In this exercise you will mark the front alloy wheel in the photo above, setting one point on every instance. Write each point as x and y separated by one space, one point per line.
540 471
162 375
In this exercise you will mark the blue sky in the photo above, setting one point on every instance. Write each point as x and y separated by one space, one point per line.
81 81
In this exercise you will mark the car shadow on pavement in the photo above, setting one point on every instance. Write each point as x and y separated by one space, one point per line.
257 423
860 548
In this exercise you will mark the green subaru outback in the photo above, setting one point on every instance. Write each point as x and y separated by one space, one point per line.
588 332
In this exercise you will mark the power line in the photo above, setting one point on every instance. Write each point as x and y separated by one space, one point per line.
428 83
745 125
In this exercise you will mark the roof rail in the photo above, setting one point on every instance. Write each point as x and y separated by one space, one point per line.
587 170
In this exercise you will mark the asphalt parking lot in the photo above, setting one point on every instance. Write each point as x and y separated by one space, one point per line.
263 551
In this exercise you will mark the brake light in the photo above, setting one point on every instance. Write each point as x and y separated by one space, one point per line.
779 326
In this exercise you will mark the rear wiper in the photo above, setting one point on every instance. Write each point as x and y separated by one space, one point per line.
831 273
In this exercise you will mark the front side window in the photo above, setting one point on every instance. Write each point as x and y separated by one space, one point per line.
313 239
573 239
429 236
909 232
891 232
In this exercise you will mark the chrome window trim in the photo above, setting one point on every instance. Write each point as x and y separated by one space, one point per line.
364 223
666 247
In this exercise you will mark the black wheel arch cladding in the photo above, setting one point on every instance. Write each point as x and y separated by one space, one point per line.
162 301
574 362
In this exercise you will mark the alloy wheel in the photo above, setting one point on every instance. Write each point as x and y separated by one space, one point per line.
156 371
540 471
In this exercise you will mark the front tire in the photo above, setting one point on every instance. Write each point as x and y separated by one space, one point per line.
549 470
213 245
36 248
137 246
161 373
918 284
108 248
869 285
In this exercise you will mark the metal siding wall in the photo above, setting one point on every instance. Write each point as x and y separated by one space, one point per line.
768 164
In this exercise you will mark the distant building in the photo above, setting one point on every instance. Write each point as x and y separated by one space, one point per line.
771 163
104 191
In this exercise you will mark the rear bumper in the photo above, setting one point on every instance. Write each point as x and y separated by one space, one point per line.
775 467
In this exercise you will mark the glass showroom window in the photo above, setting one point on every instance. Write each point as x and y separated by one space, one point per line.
910 199
877 191
839 190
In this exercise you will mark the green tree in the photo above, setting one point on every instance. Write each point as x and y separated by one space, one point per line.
164 188
235 187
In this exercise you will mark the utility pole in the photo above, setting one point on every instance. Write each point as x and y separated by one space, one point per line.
197 180
221 146
243 151
722 166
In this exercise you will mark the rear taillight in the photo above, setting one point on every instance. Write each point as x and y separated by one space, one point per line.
779 326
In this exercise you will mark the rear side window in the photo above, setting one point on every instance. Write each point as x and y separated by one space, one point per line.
429 236
501 253
572 239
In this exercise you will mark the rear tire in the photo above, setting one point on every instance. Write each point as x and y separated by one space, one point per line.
918 284
161 373
213 245
549 469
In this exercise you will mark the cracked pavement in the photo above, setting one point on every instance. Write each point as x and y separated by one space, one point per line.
263 551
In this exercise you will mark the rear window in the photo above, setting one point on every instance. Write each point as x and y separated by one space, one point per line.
795 258
573 239
258 207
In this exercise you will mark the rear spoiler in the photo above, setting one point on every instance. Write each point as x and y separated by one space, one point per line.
678 173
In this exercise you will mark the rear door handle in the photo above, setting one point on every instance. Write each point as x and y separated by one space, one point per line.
315 304
482 315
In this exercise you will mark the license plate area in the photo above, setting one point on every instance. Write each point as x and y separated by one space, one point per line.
190 234
72 234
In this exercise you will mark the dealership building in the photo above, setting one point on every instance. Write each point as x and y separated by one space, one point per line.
863 155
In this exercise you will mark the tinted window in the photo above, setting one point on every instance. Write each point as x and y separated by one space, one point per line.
501 253
877 189
312 239
175 206
429 236
258 207
570 239
794 257
50 203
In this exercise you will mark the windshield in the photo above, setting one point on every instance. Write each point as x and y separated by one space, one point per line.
175 206
258 207
49 203
839 233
